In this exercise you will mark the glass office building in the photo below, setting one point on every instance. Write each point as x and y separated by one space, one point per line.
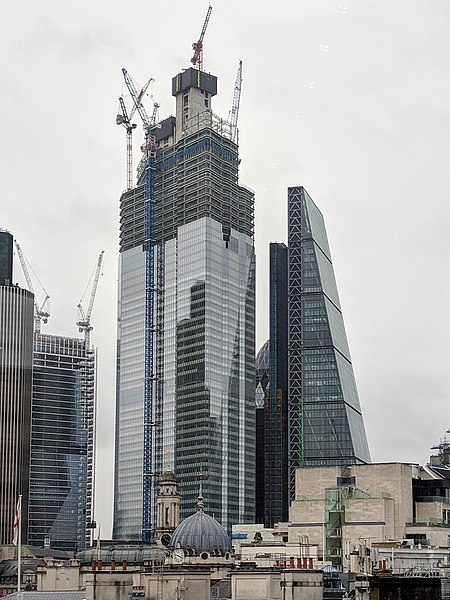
6 257
62 443
272 501
204 315
261 397
325 421
16 355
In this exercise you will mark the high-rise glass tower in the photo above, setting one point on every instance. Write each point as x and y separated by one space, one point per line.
276 408
16 352
272 501
261 395
197 395
325 421
62 442
6 257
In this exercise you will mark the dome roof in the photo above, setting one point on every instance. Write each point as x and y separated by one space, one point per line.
202 532
168 476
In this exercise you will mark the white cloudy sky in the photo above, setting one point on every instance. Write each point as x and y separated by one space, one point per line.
349 98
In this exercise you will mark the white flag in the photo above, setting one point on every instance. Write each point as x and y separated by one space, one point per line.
16 525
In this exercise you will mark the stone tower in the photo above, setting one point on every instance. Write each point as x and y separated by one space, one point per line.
167 508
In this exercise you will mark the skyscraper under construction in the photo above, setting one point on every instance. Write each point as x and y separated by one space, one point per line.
186 320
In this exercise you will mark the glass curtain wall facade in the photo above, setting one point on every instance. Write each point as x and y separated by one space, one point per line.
16 353
272 502
6 257
261 400
276 407
204 254
325 420
62 443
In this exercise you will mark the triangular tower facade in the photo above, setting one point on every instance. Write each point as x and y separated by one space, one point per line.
325 420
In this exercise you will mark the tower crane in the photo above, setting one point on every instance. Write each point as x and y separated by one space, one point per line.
40 313
197 47
149 146
137 99
155 113
141 95
234 110
84 324
152 380
123 119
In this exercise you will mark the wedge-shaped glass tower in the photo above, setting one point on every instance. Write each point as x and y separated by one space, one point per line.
325 421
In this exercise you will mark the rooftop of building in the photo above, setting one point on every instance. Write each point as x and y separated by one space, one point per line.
60 595
131 553
28 551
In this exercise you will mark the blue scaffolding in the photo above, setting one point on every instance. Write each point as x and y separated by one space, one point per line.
149 423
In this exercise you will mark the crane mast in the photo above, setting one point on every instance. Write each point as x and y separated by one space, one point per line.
39 313
124 119
151 465
234 110
84 324
141 95
197 47
137 99
89 395
155 112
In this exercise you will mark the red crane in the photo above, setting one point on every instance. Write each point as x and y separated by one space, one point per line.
197 47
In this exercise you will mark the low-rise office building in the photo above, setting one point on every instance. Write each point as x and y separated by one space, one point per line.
338 507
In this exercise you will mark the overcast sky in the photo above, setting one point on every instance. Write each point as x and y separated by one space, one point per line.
350 99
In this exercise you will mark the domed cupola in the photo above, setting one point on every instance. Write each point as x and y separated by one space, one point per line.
200 533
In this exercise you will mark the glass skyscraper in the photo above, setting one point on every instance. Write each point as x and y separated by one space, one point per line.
261 397
325 421
16 354
62 442
203 414
6 257
272 501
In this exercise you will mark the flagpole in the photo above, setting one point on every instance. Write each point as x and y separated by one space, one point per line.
19 548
